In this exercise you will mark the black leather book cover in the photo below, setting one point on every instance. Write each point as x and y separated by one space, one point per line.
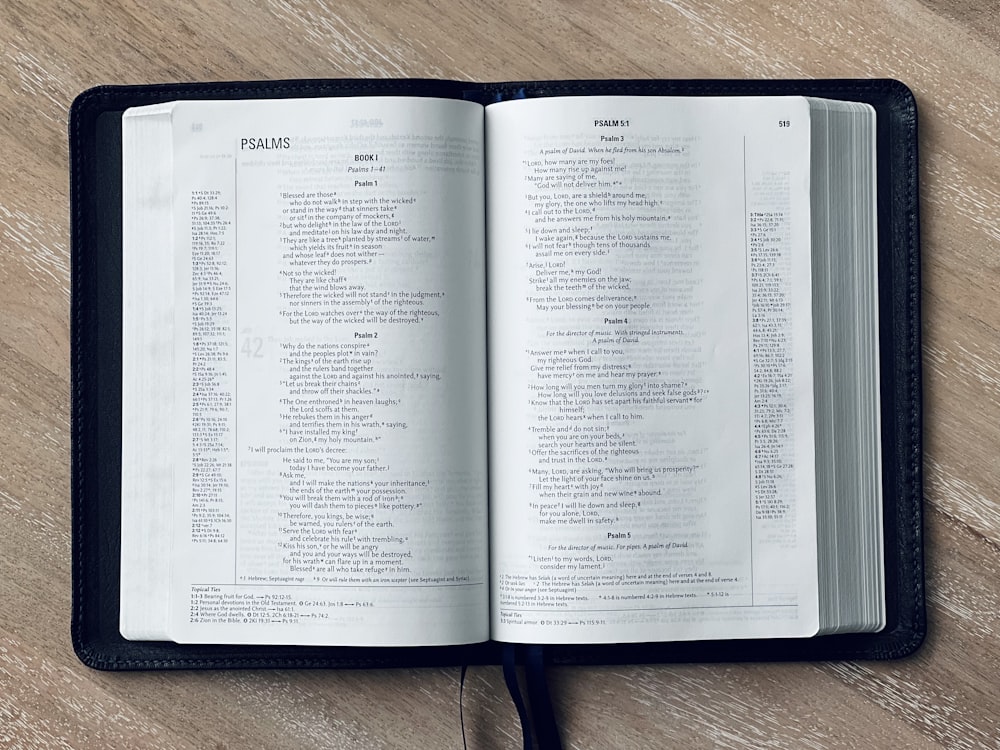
96 228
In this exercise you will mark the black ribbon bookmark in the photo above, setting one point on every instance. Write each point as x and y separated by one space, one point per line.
546 730
461 707
510 677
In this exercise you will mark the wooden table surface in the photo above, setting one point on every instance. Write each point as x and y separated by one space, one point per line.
949 55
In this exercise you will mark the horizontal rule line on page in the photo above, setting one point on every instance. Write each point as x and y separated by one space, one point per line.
344 585
651 609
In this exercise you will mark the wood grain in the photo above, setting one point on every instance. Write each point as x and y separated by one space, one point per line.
947 52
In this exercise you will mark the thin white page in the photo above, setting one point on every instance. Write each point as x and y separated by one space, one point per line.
147 367
651 439
332 379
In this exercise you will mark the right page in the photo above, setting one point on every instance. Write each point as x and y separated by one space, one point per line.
650 366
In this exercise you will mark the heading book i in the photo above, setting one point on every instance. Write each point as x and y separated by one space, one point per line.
392 372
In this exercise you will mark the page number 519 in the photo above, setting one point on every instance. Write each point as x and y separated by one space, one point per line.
784 123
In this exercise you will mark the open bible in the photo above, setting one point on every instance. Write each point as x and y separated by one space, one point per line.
410 371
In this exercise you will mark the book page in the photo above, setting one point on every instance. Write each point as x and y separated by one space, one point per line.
147 494
651 438
330 369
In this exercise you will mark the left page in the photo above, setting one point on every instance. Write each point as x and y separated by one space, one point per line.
329 369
